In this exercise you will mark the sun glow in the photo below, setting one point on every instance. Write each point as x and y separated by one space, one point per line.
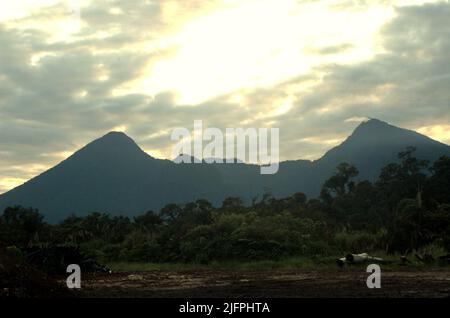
7 183
10 10
259 43
437 132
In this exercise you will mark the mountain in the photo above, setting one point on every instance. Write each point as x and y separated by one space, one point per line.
112 174
375 143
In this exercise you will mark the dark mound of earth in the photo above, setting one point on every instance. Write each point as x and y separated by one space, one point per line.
19 279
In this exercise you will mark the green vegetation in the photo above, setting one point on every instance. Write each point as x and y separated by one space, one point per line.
288 263
406 209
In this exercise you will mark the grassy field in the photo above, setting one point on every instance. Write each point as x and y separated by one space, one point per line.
297 262
287 264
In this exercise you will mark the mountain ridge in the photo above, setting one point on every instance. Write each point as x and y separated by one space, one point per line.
113 174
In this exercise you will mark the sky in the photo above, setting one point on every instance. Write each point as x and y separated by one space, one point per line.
71 71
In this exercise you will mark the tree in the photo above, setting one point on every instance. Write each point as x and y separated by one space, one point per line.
170 212
438 188
119 227
399 181
299 198
148 221
21 226
407 231
437 224
340 183
232 205
195 213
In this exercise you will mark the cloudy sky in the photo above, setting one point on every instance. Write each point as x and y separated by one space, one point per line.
70 71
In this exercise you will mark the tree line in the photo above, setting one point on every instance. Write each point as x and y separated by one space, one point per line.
406 208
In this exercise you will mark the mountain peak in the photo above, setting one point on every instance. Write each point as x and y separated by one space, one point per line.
374 129
374 122
374 143
113 144
116 135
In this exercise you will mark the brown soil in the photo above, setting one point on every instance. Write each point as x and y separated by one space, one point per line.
348 282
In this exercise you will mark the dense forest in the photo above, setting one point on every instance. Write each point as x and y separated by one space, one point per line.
407 208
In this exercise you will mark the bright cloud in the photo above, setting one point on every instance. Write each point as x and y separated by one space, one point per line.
260 43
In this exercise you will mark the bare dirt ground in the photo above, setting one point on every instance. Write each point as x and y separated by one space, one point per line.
347 282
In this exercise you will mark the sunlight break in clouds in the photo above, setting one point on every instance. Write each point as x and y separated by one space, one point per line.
437 132
260 43
7 183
